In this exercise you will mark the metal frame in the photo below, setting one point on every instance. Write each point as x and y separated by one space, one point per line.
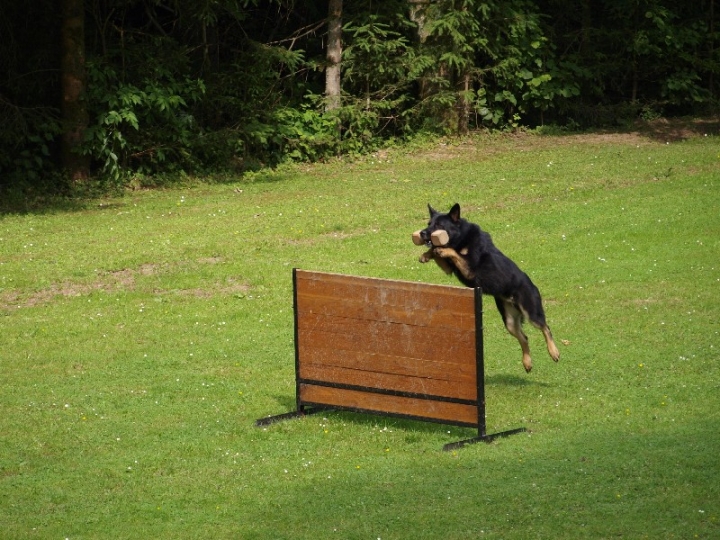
306 407
480 375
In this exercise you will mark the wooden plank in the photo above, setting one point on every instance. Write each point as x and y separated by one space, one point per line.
419 304
372 362
338 333
388 288
419 408
450 314
388 381
402 295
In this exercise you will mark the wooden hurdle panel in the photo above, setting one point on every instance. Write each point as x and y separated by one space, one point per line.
396 348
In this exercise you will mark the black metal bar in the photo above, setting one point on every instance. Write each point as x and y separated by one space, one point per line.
289 416
480 361
393 415
298 405
388 392
484 438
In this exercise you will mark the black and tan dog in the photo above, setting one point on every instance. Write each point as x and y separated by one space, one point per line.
471 255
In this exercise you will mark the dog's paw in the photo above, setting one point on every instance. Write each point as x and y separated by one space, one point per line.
527 363
553 351
443 252
426 257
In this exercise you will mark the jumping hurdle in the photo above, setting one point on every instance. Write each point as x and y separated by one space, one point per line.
387 347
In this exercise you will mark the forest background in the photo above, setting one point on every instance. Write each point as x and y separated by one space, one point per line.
112 93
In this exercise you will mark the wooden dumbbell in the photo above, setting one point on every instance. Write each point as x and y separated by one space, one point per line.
437 238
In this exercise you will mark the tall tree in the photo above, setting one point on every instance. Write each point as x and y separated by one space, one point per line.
72 84
711 49
418 15
333 56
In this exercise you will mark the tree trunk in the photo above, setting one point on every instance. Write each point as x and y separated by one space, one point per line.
712 50
586 31
72 85
419 17
334 53
464 106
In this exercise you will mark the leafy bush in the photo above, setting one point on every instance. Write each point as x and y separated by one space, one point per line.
143 128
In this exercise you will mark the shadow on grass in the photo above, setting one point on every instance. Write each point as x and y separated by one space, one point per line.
504 379
640 484
659 130
20 204
677 129
371 420
265 176
286 402
55 197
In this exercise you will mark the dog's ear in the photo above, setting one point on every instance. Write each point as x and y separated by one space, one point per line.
432 210
454 212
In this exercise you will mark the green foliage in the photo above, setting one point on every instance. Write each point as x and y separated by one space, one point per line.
29 112
380 66
301 135
503 48
227 85
311 133
28 139
143 128
28 173
378 58
245 116
646 54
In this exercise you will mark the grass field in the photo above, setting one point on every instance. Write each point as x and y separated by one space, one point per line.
142 336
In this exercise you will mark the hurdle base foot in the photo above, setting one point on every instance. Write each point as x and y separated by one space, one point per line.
482 438
289 415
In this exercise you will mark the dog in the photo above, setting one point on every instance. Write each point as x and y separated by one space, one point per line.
471 255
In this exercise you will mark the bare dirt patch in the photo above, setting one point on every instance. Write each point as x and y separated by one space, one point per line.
229 289
333 235
10 300
115 281
676 129
662 130
210 260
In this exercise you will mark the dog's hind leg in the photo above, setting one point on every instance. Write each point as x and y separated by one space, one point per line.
551 347
512 317
531 306
553 351
538 321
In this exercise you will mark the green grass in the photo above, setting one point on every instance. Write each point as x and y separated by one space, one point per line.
140 337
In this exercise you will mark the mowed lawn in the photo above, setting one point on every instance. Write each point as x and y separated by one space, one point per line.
142 336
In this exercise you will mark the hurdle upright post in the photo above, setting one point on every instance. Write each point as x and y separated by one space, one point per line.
480 376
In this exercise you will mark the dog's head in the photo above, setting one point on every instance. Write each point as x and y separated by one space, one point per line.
449 222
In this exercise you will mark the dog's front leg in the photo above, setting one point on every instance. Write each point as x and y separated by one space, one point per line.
458 260
442 263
